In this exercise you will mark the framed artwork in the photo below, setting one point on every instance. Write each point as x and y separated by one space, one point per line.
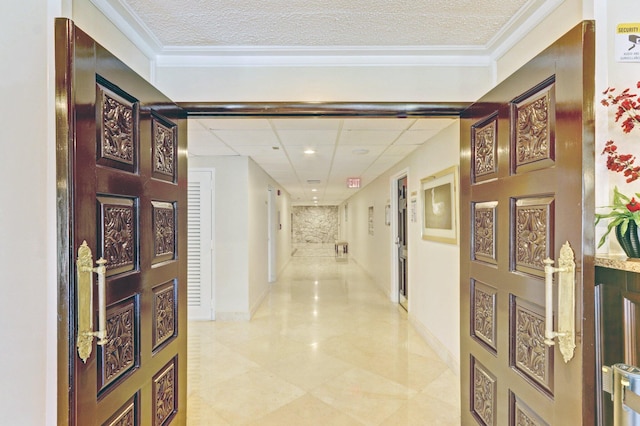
387 214
439 206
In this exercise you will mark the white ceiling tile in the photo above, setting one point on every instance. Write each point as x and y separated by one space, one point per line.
400 150
415 137
377 123
436 123
369 137
247 137
306 124
308 138
234 123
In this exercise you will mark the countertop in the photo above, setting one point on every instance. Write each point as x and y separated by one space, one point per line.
620 262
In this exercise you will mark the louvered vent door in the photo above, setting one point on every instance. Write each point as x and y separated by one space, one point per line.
200 245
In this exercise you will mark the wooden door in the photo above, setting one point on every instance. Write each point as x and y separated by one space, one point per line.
122 174
403 291
526 176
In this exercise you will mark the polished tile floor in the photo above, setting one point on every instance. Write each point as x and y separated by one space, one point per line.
326 347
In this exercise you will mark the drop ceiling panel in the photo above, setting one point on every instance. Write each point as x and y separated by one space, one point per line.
248 137
369 137
400 150
415 137
305 124
345 148
308 138
377 124
202 142
433 123
262 151
235 123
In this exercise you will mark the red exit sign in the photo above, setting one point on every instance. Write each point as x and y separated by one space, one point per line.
353 183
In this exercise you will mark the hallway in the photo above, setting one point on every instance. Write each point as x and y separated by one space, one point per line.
326 347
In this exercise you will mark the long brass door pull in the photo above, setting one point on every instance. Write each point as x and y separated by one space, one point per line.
566 302
84 296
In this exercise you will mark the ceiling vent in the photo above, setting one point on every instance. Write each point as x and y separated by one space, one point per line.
313 181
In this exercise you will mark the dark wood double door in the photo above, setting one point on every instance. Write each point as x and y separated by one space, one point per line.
526 178
122 190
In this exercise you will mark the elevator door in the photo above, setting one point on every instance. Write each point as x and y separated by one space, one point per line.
403 294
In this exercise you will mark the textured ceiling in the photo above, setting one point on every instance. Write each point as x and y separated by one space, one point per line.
326 22
188 29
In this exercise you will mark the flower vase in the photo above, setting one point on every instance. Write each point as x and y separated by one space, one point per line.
630 242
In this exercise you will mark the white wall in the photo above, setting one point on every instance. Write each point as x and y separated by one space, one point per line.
27 214
88 18
231 234
316 84
560 20
241 193
611 73
434 306
259 182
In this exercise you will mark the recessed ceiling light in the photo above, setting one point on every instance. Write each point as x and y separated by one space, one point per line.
309 151
315 198
314 190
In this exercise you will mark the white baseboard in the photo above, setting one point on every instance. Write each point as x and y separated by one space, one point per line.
441 350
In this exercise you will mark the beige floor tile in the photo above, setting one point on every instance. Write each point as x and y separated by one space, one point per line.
363 395
424 410
325 348
250 396
446 387
200 413
309 370
306 411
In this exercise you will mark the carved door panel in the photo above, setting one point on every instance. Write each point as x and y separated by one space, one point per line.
403 291
122 171
526 170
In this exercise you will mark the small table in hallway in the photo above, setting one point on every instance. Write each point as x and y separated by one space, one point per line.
342 244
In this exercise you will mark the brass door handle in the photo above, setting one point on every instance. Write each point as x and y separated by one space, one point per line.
566 333
84 296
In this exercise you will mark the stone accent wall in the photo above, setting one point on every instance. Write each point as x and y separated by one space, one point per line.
315 224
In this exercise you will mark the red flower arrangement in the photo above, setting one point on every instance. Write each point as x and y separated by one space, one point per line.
628 110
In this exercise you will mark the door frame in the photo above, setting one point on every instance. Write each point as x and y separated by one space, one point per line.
271 234
395 258
65 325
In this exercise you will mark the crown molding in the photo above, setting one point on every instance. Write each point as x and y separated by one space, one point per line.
130 25
520 25
317 58
121 15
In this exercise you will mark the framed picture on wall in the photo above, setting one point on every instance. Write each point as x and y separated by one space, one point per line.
439 206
